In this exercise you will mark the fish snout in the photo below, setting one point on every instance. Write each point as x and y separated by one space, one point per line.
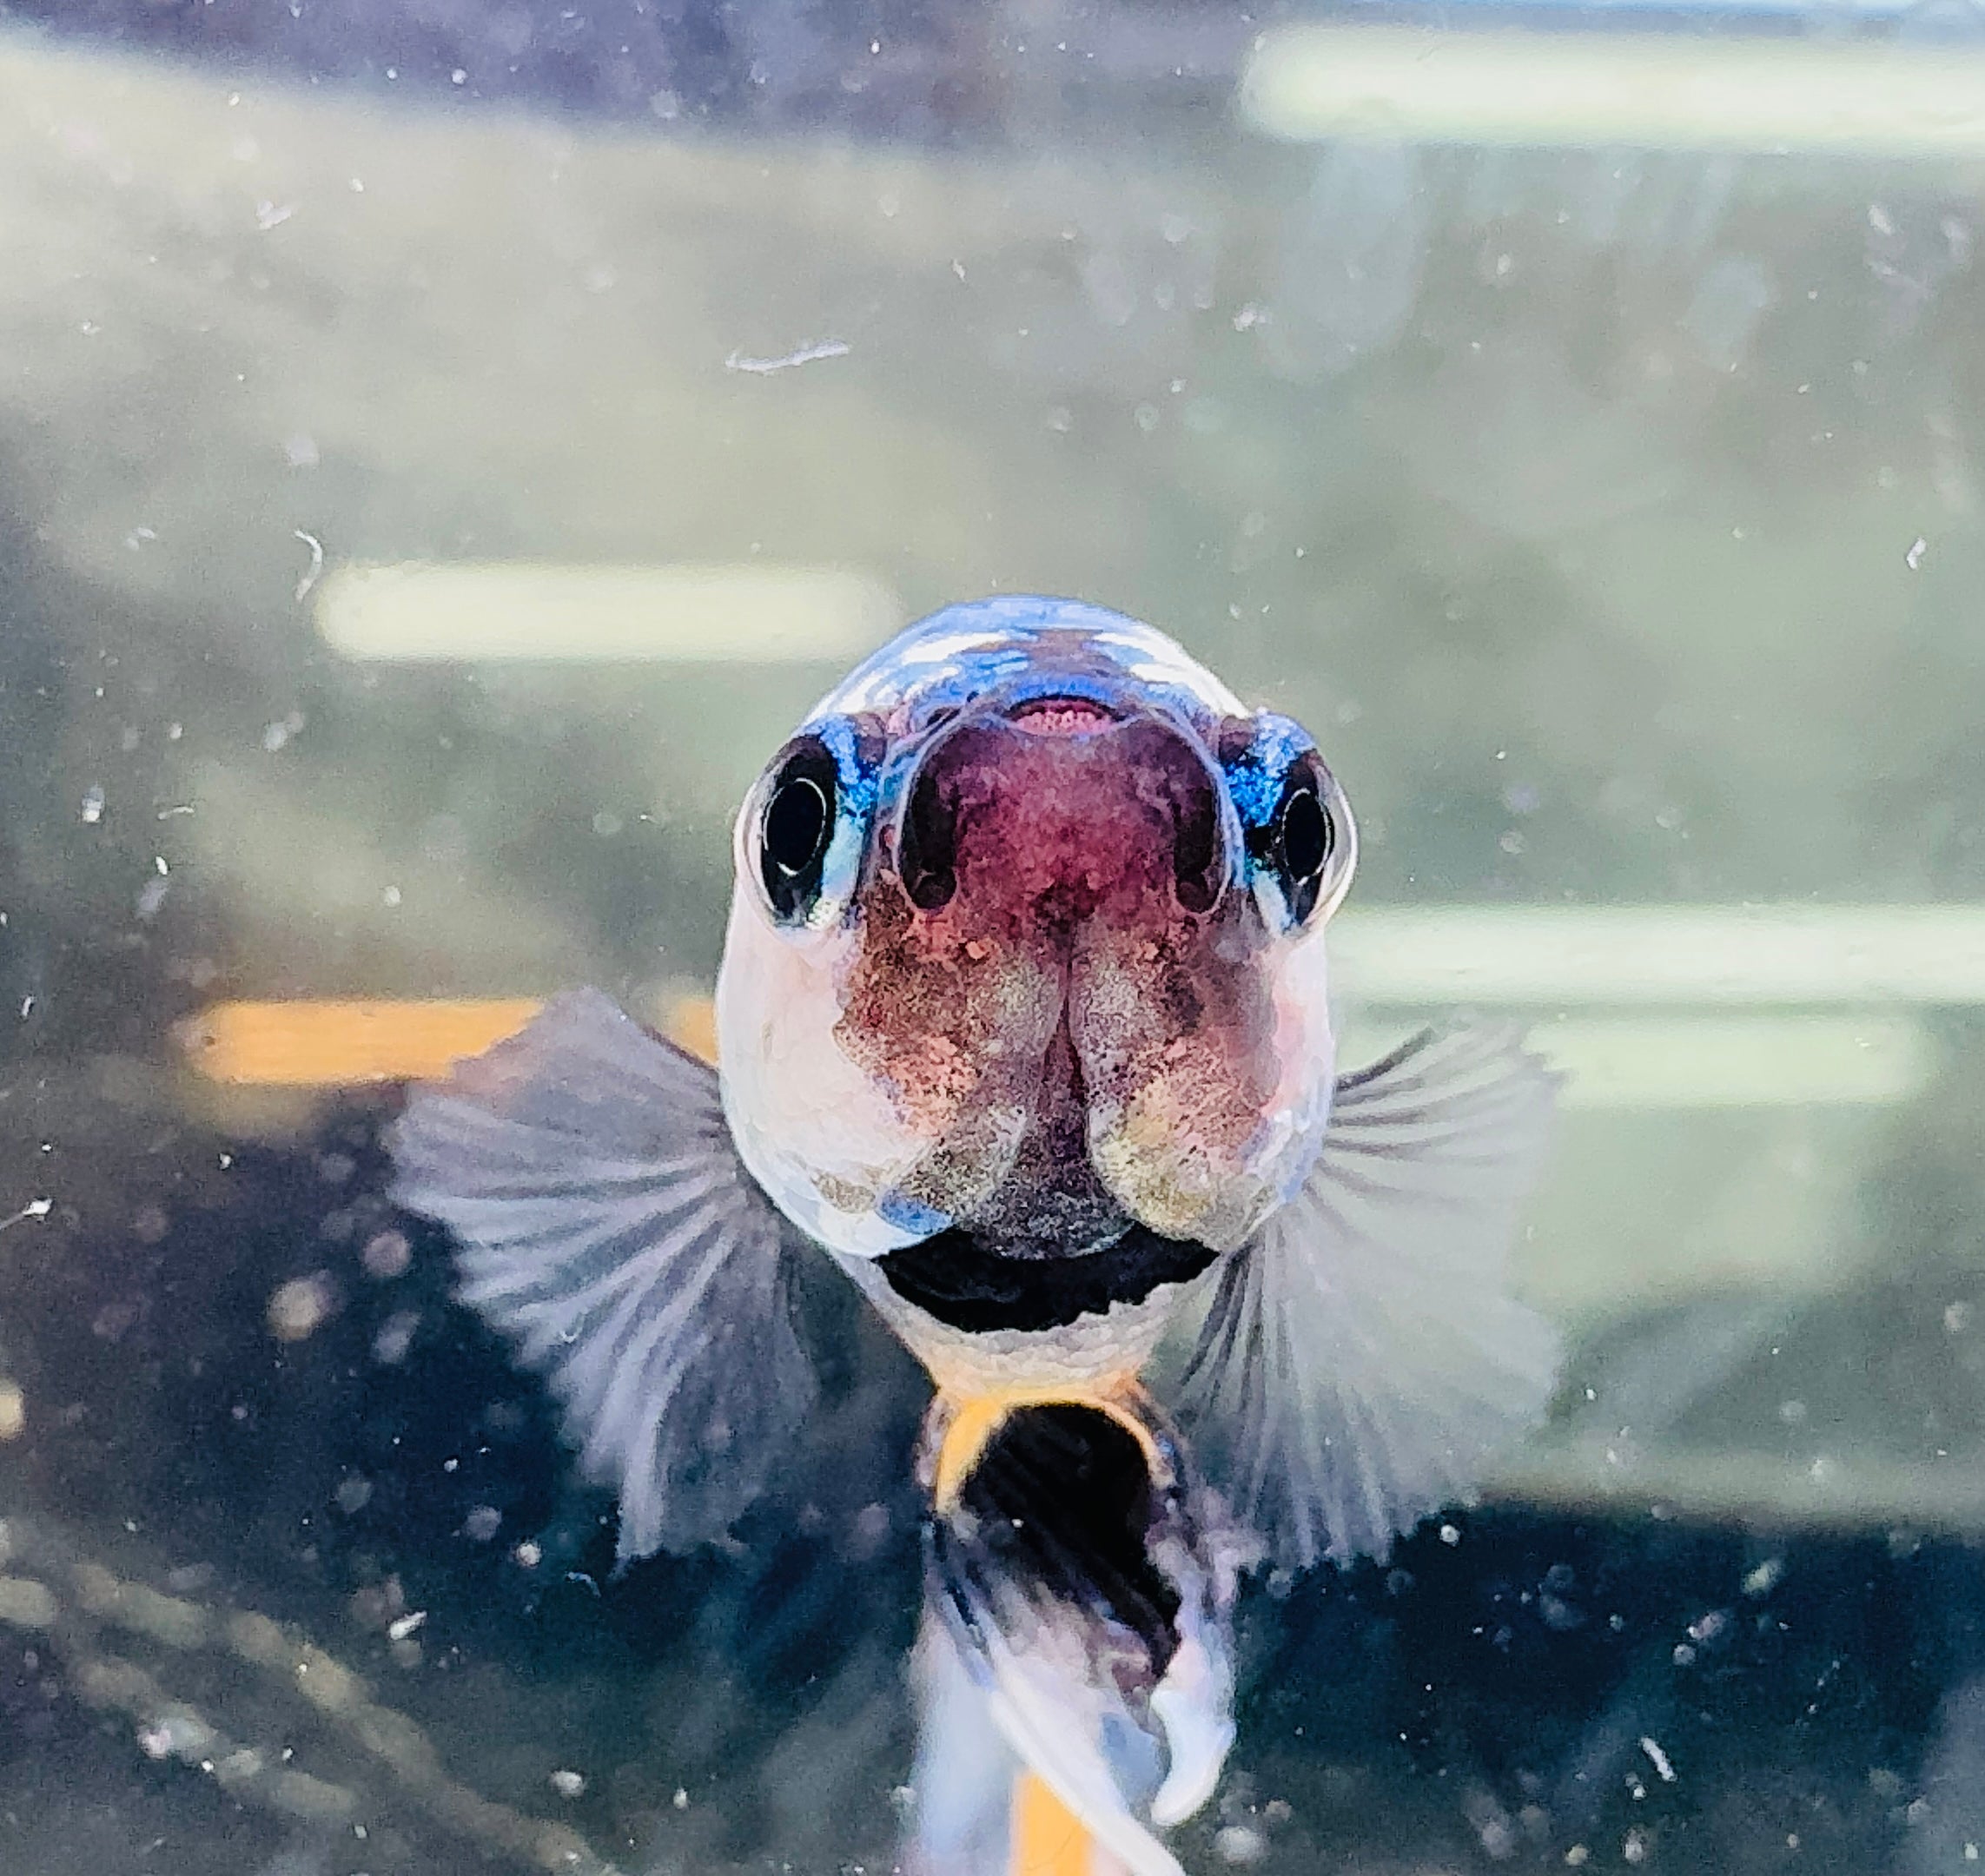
1031 818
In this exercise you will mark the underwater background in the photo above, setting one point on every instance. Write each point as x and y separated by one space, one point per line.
1611 513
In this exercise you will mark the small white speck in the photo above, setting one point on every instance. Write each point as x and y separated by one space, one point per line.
1765 1578
1914 559
271 214
1450 1536
92 806
568 1784
390 897
405 1625
681 1799
1658 1759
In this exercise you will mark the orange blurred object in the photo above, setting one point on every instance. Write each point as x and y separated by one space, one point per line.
334 1042
1049 1839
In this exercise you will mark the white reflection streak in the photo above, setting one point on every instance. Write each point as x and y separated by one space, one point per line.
807 354
316 567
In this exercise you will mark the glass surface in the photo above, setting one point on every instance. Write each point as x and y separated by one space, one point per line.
1611 510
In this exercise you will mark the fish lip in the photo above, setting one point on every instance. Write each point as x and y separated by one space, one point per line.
1121 701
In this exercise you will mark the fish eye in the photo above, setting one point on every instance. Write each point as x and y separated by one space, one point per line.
1302 845
795 829
796 824
1305 836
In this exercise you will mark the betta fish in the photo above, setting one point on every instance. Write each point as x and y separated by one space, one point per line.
1023 1021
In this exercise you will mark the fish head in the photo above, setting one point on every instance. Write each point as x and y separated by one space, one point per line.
1027 941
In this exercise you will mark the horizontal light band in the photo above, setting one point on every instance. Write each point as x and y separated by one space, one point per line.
1684 1063
1752 1489
1559 957
426 612
331 1042
1656 1063
1608 91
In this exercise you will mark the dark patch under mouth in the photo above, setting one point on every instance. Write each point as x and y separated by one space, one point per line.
961 1283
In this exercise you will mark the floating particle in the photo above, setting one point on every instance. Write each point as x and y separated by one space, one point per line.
1765 1578
568 1784
1241 1845
298 1308
395 1336
806 355
482 1523
353 1496
386 1255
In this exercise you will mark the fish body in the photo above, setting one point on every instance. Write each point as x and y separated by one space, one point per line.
1023 1023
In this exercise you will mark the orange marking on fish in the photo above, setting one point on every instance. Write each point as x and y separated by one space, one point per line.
971 1421
1049 1839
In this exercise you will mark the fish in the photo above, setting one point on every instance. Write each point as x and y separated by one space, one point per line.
1024 1023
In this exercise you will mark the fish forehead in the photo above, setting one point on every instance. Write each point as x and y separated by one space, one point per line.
963 651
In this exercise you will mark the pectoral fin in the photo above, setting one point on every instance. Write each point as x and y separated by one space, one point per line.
1362 1358
606 1225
